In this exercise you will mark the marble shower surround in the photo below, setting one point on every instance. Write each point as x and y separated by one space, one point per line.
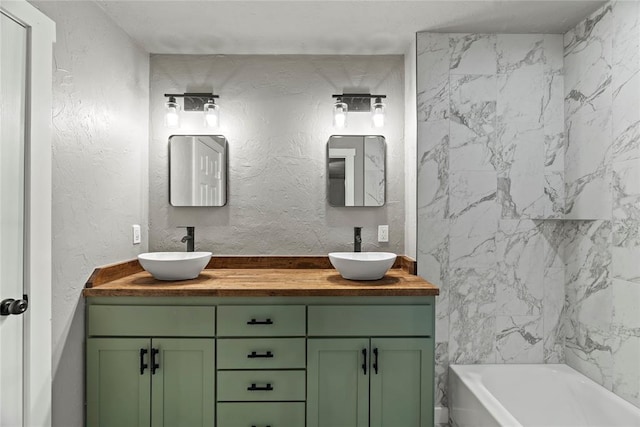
508 281
602 110
276 112
490 153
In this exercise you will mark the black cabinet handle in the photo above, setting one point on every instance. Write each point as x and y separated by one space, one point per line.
255 355
260 322
254 387
375 362
364 363
154 363
143 365
253 425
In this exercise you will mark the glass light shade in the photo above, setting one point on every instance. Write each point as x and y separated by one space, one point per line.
172 114
377 113
340 114
211 115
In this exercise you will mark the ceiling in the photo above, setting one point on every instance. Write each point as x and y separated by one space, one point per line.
361 27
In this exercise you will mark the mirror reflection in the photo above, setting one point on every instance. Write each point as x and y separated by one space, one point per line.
197 170
356 170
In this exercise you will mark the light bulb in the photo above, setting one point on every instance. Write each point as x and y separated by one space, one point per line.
211 114
172 113
377 113
340 114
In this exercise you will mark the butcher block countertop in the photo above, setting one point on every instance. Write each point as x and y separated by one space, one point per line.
258 276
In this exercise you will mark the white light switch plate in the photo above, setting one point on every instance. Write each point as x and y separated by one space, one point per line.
383 233
137 237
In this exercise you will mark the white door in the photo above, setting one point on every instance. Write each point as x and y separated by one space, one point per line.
13 72
208 180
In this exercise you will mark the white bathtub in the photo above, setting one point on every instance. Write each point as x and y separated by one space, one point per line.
533 395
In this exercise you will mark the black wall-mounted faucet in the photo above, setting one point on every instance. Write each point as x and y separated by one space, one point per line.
357 239
190 238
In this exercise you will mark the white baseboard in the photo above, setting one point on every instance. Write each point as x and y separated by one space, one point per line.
441 415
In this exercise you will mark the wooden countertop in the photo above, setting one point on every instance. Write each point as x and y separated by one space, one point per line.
229 276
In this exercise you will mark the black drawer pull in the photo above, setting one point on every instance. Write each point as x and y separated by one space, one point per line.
154 363
255 355
375 364
260 322
143 365
254 387
253 425
364 363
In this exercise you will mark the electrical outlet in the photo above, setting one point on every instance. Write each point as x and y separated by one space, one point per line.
137 236
383 233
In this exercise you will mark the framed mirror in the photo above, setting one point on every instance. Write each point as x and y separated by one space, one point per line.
198 170
356 173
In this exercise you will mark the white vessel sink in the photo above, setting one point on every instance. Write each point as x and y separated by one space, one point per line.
362 265
174 265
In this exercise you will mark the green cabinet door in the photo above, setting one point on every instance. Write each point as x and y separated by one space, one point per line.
337 385
118 394
402 387
183 386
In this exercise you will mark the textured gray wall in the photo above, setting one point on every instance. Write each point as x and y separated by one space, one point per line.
276 112
100 142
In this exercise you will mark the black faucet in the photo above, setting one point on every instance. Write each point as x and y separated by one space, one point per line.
357 239
190 238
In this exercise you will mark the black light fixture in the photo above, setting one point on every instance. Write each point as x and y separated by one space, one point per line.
358 102
204 102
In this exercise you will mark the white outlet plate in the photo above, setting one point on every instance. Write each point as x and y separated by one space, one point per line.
137 235
383 233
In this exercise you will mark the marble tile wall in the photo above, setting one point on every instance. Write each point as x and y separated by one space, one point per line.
490 165
602 108
529 196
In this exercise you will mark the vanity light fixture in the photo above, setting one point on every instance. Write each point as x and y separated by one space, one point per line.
377 113
340 114
211 114
358 102
172 113
204 102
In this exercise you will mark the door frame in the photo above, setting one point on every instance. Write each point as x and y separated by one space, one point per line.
37 323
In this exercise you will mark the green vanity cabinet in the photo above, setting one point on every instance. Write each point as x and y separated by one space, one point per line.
156 381
362 380
377 382
260 361
261 365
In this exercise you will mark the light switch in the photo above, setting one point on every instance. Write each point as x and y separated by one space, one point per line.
137 237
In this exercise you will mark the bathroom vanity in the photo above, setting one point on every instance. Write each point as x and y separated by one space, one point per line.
260 341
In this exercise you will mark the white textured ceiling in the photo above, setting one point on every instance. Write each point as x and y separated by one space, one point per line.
327 27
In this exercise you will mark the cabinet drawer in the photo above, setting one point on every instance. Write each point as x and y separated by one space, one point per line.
151 321
259 414
261 353
370 320
261 320
261 385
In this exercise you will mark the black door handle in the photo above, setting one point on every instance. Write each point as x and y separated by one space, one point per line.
364 363
11 306
375 361
143 365
254 387
255 355
154 363
260 322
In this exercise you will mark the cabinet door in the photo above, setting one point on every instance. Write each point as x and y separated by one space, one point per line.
402 387
183 386
337 384
118 394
